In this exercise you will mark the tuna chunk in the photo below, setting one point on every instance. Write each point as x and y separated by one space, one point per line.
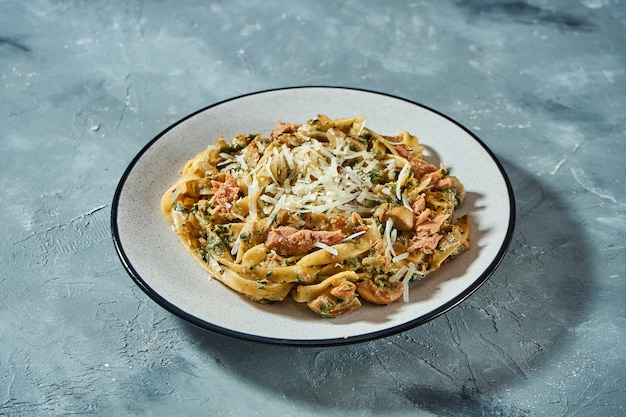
226 194
427 237
283 128
288 241
420 166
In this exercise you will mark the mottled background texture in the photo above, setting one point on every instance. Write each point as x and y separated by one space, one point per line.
84 85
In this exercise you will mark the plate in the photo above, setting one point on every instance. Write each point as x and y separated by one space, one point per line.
160 265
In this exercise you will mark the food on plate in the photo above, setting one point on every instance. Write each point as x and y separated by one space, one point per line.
327 212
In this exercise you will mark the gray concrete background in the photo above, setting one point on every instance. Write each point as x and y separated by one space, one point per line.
85 85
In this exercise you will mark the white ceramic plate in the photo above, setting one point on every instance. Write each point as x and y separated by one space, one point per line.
160 265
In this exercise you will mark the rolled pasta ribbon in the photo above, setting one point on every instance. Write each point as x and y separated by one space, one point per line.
326 178
344 250
285 274
259 291
306 293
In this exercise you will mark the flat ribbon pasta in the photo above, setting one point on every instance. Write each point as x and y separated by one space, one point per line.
328 211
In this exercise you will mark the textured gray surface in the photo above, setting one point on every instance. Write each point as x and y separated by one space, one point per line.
85 85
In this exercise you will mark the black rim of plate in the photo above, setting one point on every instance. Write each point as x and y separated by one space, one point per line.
164 303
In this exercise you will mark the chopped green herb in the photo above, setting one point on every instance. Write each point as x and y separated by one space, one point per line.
374 176
179 208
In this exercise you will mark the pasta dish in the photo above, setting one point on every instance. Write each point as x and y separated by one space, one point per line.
327 212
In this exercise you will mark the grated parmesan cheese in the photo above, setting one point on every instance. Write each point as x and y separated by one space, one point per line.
402 177
361 128
400 257
387 237
287 155
406 280
253 192
354 235
399 274
327 248
237 243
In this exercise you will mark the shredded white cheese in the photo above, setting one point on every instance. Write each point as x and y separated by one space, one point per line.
406 280
318 179
253 191
280 204
400 257
402 177
327 248
362 127
387 237
287 155
354 235
399 273
237 243
268 199
241 162
405 202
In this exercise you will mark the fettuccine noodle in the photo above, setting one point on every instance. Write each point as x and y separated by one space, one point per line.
327 212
